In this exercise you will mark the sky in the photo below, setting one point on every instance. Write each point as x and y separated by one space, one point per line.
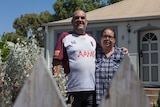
12 9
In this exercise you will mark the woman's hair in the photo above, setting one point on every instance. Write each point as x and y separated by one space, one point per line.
109 29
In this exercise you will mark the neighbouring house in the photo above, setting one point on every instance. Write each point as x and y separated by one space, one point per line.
137 26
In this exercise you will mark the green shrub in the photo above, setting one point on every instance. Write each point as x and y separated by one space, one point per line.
4 50
158 100
16 69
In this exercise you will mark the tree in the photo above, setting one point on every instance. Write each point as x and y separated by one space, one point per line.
65 8
28 24
46 17
12 37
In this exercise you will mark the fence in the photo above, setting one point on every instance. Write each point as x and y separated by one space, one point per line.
126 89
40 90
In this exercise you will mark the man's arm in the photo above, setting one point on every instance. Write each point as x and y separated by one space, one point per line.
56 67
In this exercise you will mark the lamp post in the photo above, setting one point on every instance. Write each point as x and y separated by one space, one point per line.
128 28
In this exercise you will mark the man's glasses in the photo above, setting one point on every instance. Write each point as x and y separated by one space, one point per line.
107 36
77 17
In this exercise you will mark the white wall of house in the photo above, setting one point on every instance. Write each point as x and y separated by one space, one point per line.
130 40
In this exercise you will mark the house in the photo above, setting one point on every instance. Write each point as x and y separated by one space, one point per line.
137 26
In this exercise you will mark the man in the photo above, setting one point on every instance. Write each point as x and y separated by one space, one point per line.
108 59
76 51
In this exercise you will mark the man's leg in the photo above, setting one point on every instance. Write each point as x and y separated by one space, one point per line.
90 99
75 99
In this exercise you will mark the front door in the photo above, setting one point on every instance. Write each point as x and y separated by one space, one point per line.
150 57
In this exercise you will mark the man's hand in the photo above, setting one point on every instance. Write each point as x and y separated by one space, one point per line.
56 68
56 71
125 50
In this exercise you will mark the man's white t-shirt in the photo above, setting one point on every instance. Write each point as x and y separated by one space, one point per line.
78 51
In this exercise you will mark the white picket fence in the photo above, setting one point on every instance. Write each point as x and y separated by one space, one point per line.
40 90
126 89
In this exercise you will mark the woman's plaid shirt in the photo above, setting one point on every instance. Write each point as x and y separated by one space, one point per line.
105 69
